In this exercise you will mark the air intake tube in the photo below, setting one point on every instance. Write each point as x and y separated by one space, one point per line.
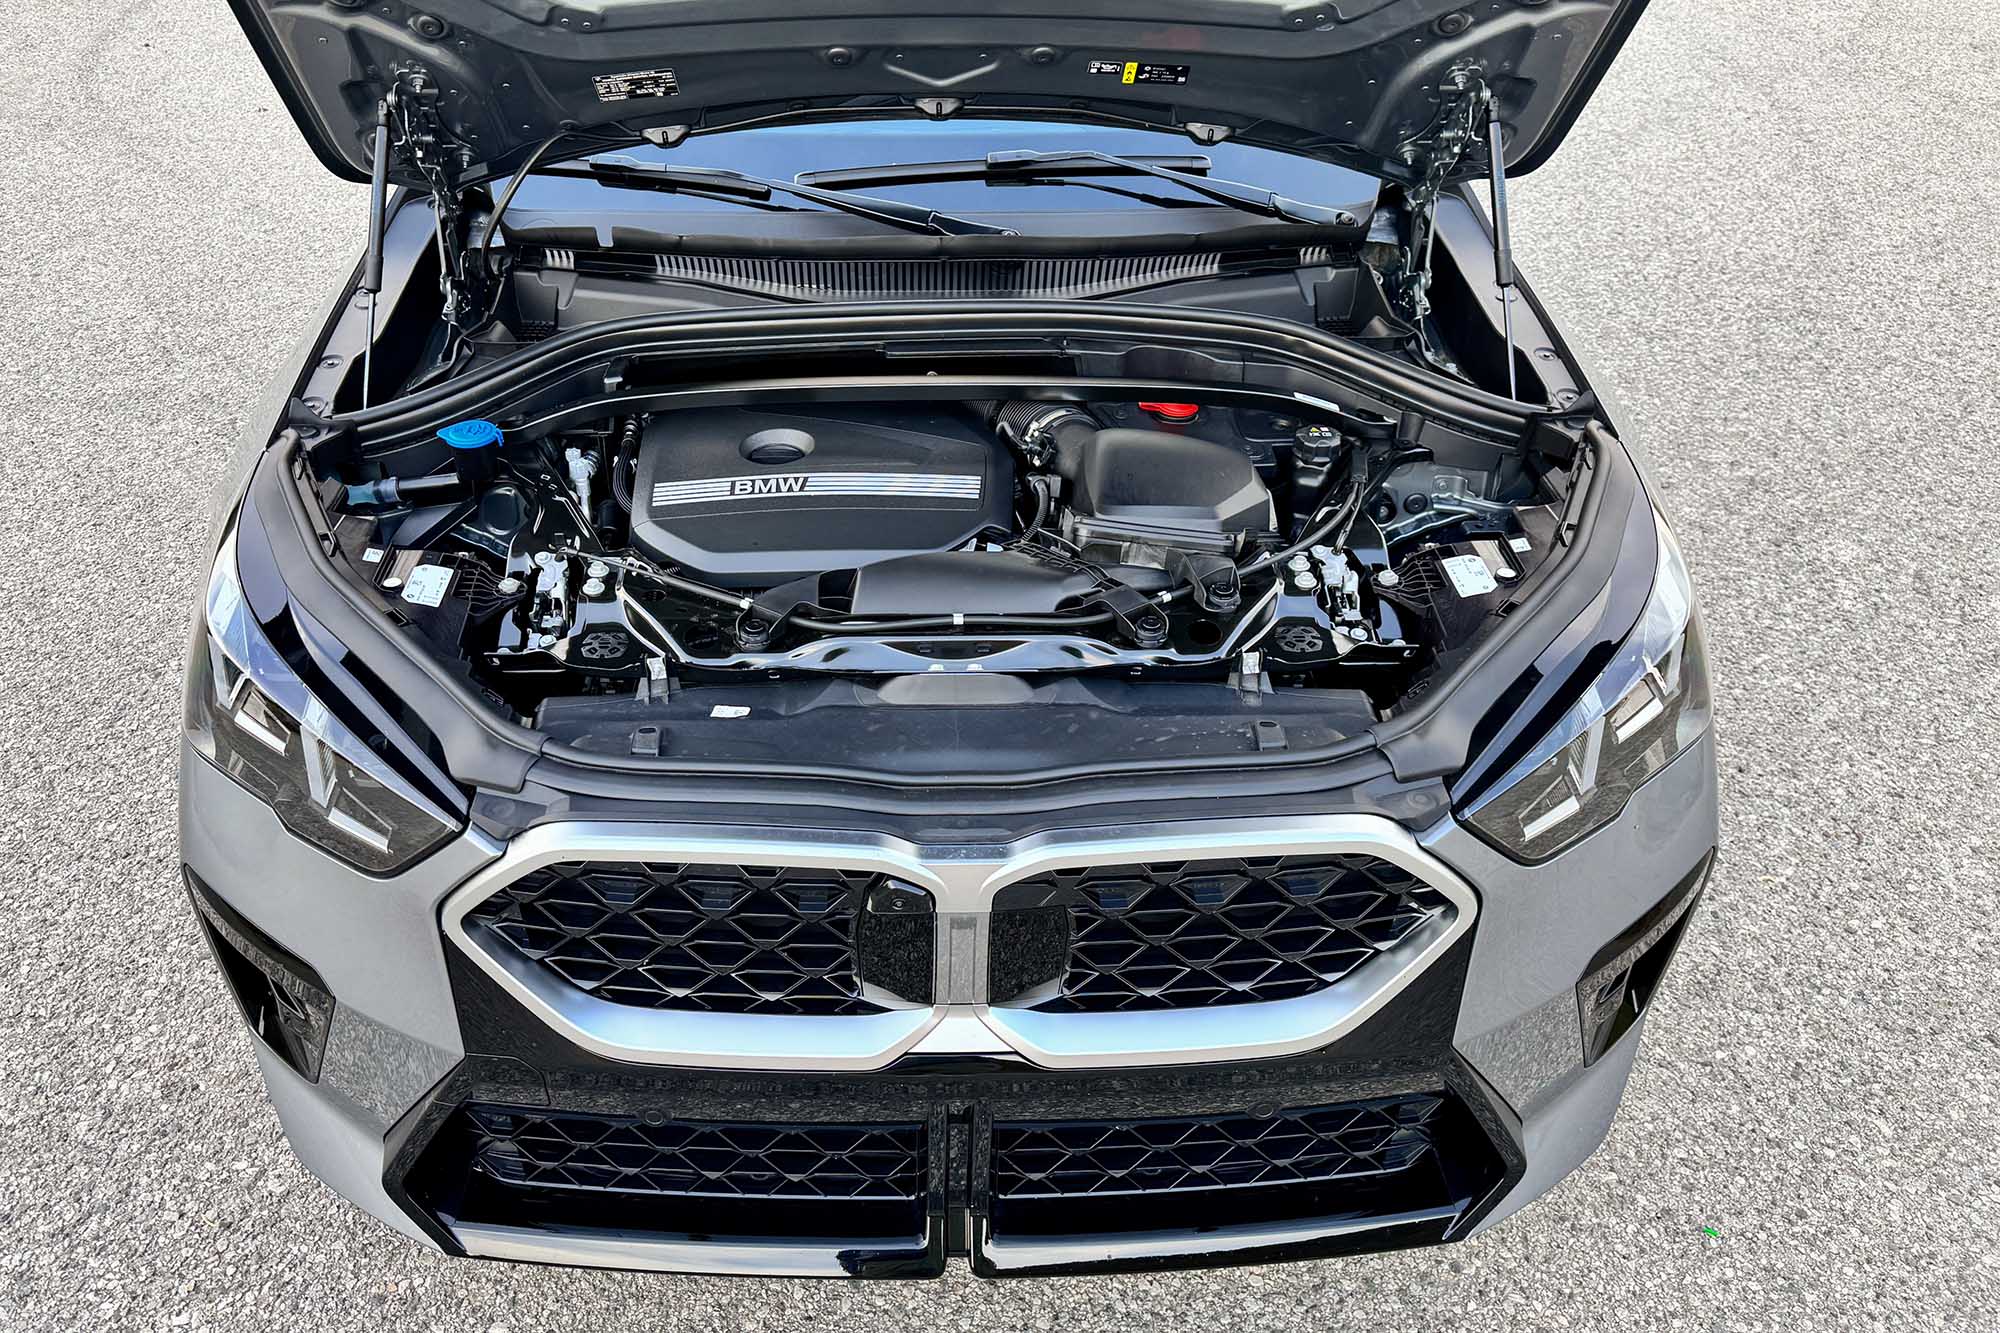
1047 434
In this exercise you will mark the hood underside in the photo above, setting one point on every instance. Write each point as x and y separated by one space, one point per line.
1368 84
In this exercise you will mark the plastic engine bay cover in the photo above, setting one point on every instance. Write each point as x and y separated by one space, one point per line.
749 498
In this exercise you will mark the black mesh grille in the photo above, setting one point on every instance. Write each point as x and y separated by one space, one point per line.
1187 934
722 939
1063 1159
902 279
629 1155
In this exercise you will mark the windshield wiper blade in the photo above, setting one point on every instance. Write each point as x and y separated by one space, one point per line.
726 183
980 168
1250 198
1030 164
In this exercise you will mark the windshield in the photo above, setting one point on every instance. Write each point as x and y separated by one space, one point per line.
1073 205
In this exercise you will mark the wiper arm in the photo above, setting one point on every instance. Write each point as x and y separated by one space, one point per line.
1249 198
721 181
1190 173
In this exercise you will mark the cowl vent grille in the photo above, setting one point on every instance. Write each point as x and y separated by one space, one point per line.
901 279
932 279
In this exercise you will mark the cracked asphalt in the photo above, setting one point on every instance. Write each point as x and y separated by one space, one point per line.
1773 229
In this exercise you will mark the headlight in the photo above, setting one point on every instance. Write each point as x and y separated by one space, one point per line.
1647 706
252 717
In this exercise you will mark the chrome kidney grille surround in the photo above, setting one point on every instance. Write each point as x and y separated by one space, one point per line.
963 881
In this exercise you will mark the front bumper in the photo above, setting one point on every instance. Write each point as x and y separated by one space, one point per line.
1440 1106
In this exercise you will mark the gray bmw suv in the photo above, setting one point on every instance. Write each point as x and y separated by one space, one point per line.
872 633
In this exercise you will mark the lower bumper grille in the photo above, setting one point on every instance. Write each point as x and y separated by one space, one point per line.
885 1199
762 1196
1068 1158
628 1154
1325 1179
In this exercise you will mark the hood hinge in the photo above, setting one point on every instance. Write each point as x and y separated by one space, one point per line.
1436 156
426 146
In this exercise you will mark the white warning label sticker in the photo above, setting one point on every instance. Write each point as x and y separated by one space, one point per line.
634 84
1469 575
428 584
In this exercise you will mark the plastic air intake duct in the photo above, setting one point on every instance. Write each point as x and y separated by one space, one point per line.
1142 486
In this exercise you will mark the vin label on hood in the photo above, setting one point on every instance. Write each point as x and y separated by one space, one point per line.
1138 71
637 83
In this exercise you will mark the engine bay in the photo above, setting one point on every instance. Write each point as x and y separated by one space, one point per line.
645 554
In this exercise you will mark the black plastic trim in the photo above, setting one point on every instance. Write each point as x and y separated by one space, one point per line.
1343 364
1550 681
266 979
1619 984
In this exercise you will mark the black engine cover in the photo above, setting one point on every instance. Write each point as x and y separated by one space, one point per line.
750 498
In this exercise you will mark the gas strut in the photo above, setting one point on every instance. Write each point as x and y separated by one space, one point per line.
1503 244
371 268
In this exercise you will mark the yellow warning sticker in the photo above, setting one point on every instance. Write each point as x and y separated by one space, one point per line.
1140 71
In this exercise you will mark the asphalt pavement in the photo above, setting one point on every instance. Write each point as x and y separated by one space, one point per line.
1774 230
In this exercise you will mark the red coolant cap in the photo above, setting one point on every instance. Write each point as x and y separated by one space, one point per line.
1172 411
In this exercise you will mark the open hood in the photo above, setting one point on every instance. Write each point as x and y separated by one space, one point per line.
1383 86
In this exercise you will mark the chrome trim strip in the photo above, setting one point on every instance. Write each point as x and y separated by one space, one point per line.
1009 1253
1225 1032
963 880
674 1037
789 485
1243 1031
720 1255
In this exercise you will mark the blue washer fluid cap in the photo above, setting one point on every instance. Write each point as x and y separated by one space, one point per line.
474 434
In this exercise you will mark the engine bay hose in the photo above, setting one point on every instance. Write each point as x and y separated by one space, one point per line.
1040 430
623 462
